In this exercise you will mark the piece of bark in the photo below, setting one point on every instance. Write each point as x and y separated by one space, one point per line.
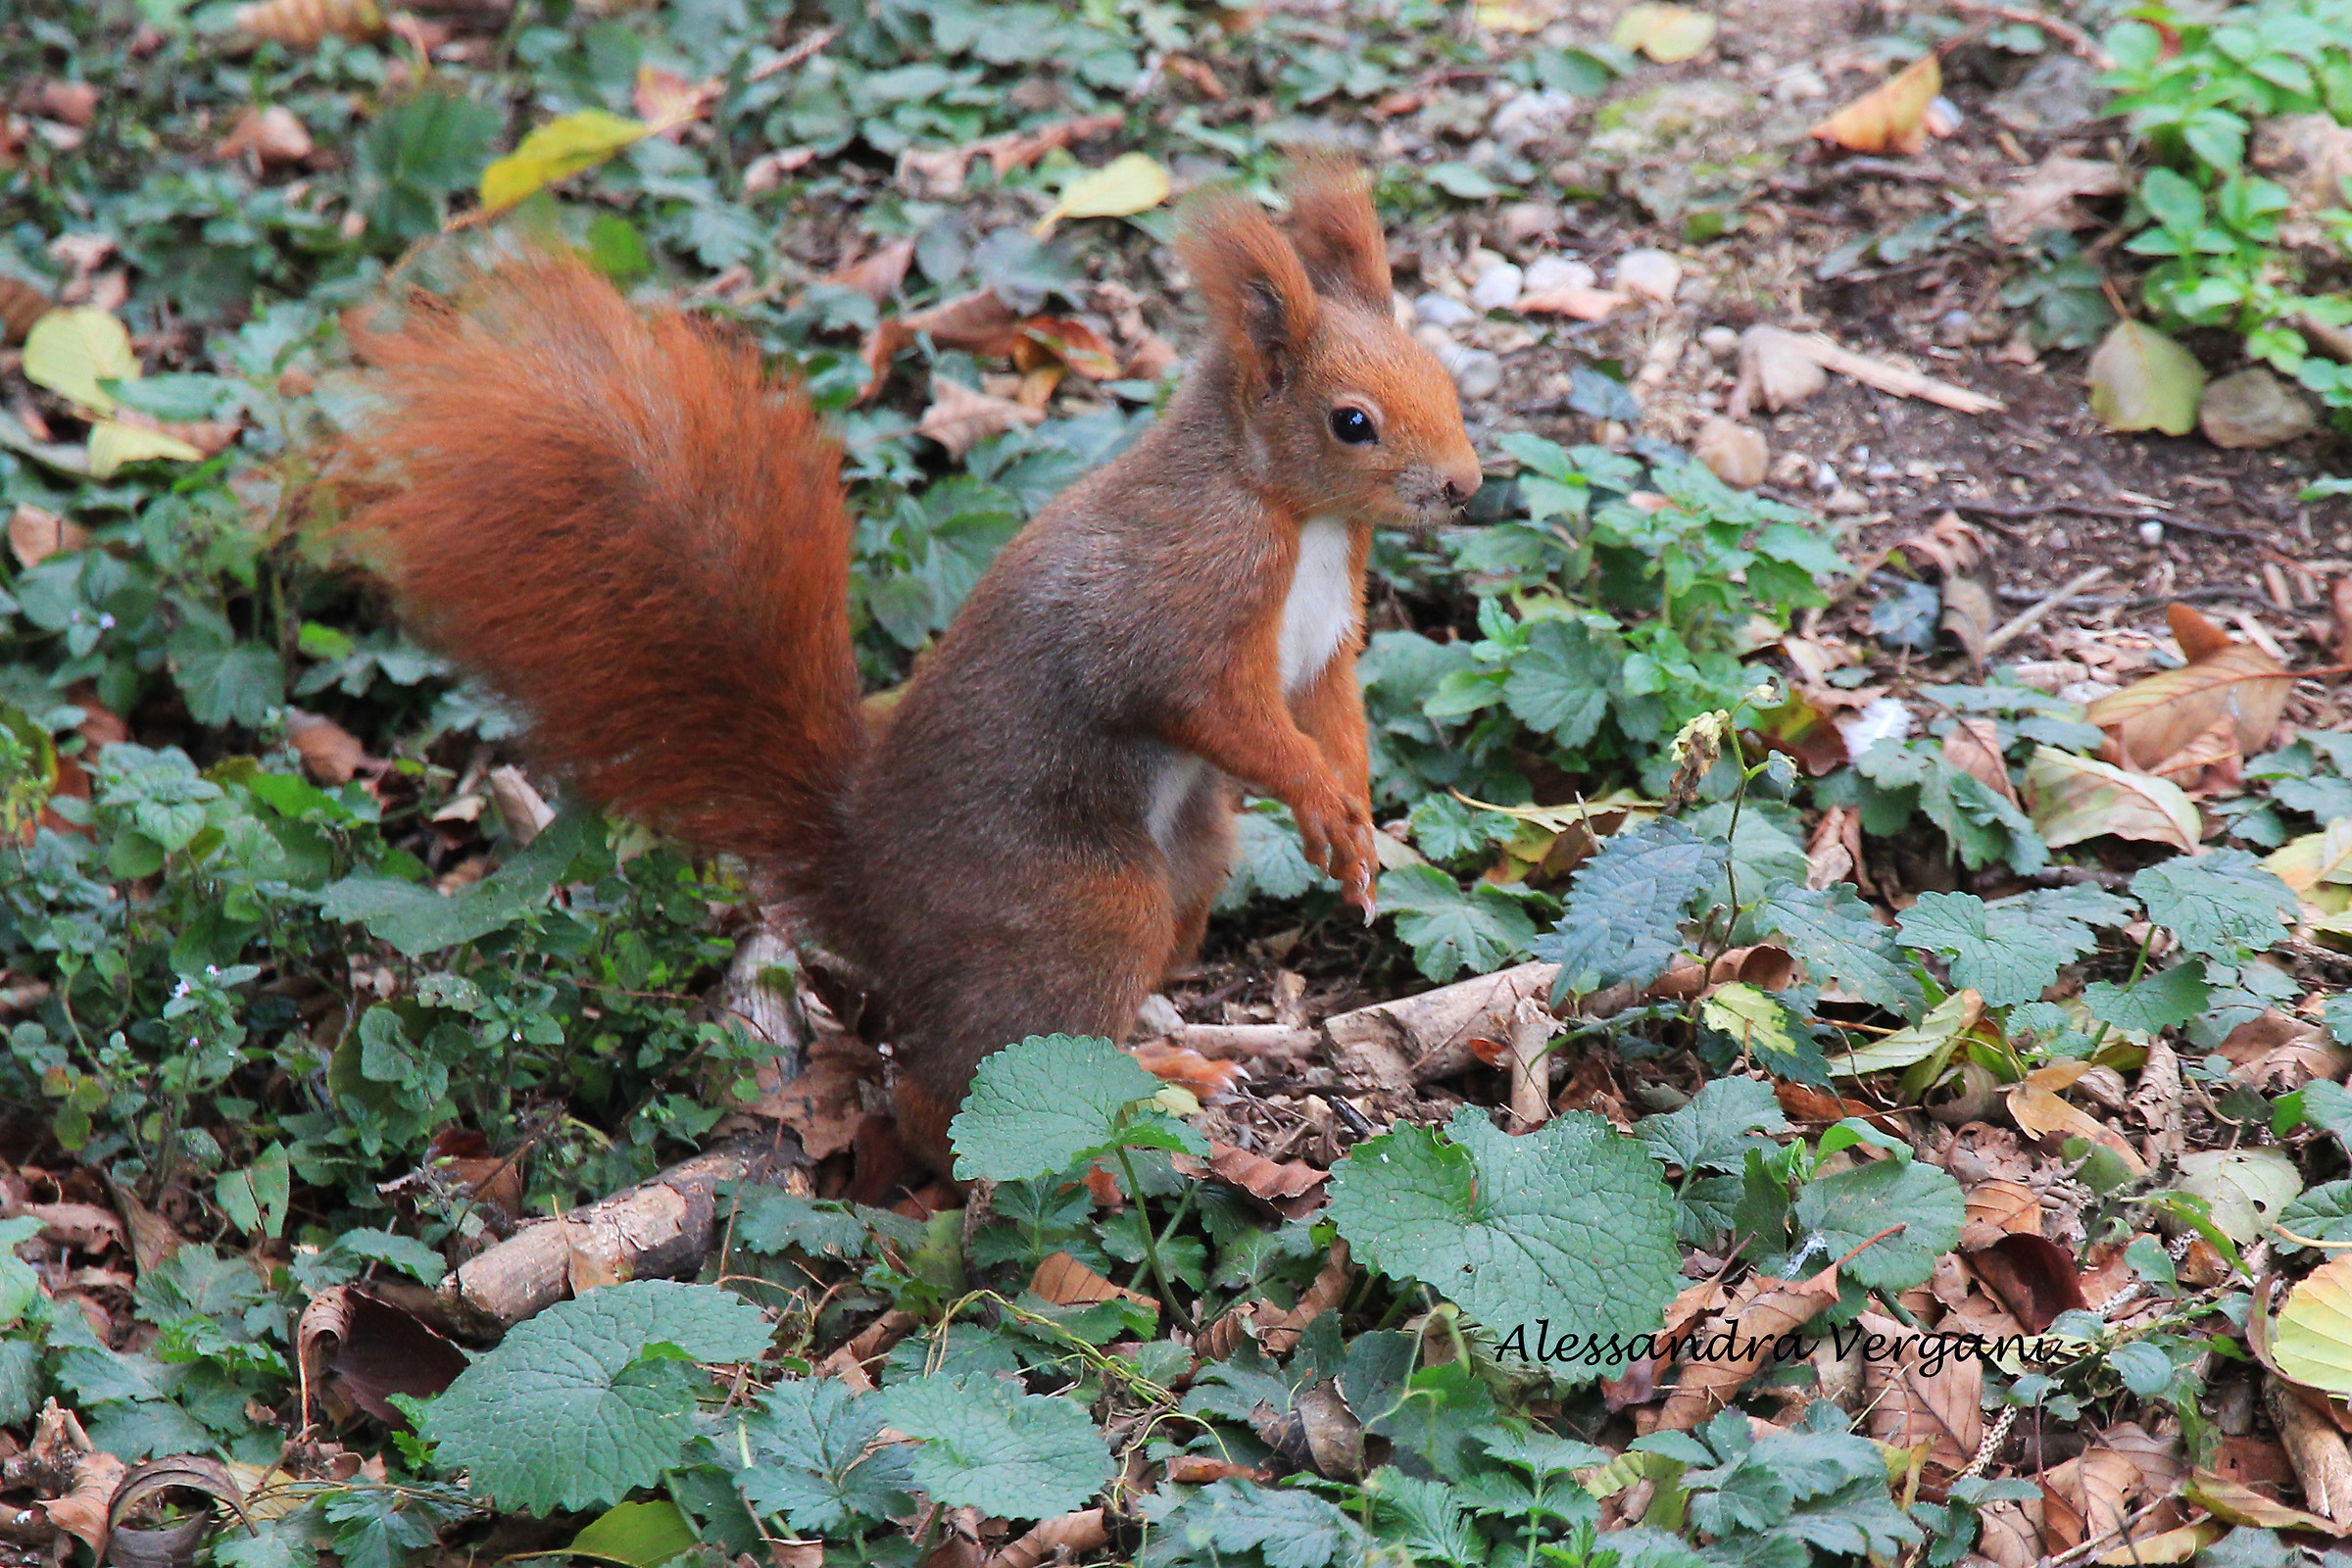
1243 1041
658 1229
773 1014
1532 1029
1417 1039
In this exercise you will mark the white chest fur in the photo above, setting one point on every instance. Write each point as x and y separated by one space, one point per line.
1320 613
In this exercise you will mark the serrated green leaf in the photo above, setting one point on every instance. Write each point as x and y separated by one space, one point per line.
1620 923
1037 1108
1559 683
1848 1208
2153 1003
813 1458
570 1410
1717 1128
1286 1526
2220 904
985 1444
2012 950
1834 932
1450 928
418 919
1571 1222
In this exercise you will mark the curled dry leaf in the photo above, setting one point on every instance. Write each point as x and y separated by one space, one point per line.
667 102
1579 302
2316 1448
959 418
978 323
1064 341
373 1349
1198 1469
1779 1307
1974 747
2030 1275
2100 1486
1068 1538
2040 1112
877 273
85 1227
331 753
2076 798
20 304
2239 1504
306 24
35 535
2046 194
1065 1282
1180 1064
1131 183
1892 117
1912 1401
273 137
2150 721
174 1544
2277 1051
1262 1178
1996 1207
1280 1330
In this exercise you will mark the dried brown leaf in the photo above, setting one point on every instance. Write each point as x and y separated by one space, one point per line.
2151 719
1892 117
1910 1404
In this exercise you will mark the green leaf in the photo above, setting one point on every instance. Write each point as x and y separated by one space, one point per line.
2012 950
404 1252
70 352
1834 932
1620 923
2245 1189
643 1535
562 147
1844 1209
1753 1020
1559 683
20 1285
1038 1108
1448 927
227 682
2323 1214
985 1444
2142 380
2153 1003
1717 1128
1901 1049
593 1396
418 919
1288 1527
1571 1222
813 1458
254 1199
2220 904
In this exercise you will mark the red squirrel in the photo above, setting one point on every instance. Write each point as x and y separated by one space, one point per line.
621 524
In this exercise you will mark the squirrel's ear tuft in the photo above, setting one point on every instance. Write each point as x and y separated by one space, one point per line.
1335 231
1258 291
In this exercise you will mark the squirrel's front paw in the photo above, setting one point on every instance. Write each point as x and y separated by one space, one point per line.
1338 840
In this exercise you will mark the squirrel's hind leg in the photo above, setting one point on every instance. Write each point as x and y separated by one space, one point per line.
1199 849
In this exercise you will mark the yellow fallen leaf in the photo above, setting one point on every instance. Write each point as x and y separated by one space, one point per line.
2311 1339
2076 798
557 149
1891 117
1666 34
1510 18
69 352
114 444
1131 183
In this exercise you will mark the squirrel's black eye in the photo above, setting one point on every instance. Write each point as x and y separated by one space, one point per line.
1353 426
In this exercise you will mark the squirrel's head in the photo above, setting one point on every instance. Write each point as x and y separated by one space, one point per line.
1345 413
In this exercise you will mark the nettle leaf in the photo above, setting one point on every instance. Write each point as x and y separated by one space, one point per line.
1620 923
985 1444
1717 1128
2152 1003
1844 1209
1038 1108
593 1396
416 918
2012 950
1571 1222
1449 928
1834 932
2220 904
1288 1527
812 1458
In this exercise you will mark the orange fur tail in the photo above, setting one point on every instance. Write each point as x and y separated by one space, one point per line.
620 524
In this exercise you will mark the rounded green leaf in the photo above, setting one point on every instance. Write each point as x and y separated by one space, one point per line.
985 1444
2142 380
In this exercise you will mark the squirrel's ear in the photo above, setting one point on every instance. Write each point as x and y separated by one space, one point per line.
1335 231
1258 291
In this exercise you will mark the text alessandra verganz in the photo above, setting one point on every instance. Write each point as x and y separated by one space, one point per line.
1929 1352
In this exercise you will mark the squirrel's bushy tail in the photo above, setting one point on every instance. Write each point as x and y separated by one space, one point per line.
618 523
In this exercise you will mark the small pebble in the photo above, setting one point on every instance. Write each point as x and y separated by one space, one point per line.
1952 329
1882 473
1475 265
1548 272
1440 310
1844 502
1825 478
2151 532
1719 341
1734 453
1497 288
1651 274
2059 539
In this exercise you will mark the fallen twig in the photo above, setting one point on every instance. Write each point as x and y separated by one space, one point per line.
2025 620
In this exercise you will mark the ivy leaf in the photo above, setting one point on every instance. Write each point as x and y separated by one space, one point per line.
1620 923
812 1458
2220 904
1833 931
1559 683
1851 1206
988 1446
2155 1002
1449 928
593 1396
1038 1108
1717 1128
2012 950
1571 1222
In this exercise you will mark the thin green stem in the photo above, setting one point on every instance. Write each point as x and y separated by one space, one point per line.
2140 964
1142 1226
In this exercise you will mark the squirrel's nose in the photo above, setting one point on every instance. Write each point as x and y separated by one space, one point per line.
1463 480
